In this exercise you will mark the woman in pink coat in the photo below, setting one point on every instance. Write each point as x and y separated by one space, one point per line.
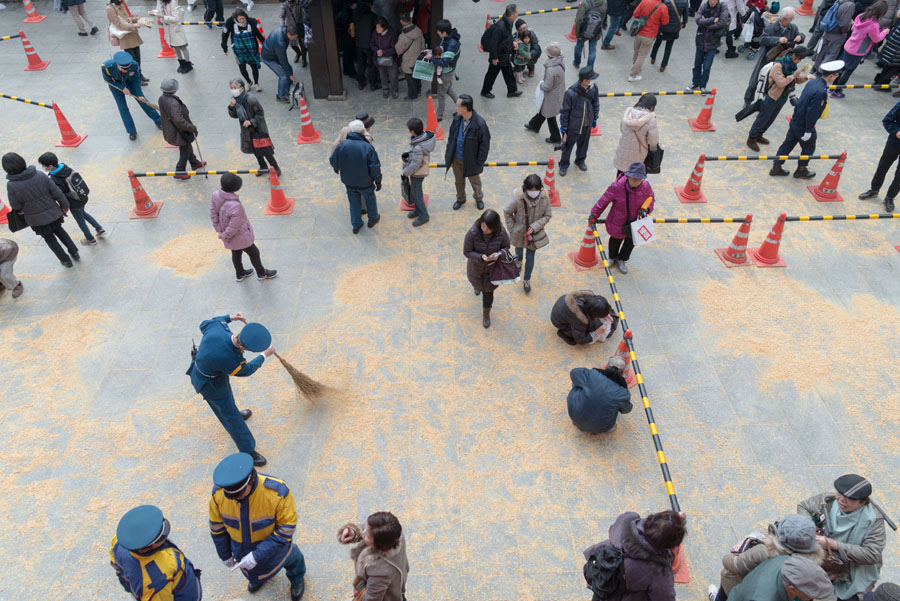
865 33
234 229
630 197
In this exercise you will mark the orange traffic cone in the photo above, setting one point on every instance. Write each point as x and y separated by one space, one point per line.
33 15
308 134
144 208
69 139
625 355
279 204
595 131
827 190
260 27
736 254
805 9
550 184
586 257
127 10
4 211
767 254
571 36
679 566
691 193
432 122
702 122
34 61
487 25
405 206
167 51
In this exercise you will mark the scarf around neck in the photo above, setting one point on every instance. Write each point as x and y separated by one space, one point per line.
852 528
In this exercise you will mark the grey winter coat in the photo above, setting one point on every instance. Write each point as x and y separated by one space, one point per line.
568 315
648 570
596 399
735 567
176 120
382 573
553 85
477 244
35 197
257 117
523 212
420 149
410 44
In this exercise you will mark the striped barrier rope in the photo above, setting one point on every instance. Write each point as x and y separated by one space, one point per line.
645 399
9 37
857 217
675 93
211 172
26 101
498 164
772 157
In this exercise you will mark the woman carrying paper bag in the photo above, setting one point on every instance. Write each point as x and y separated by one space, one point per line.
630 197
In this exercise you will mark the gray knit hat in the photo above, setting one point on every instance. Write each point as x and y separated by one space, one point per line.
797 533
887 591
169 86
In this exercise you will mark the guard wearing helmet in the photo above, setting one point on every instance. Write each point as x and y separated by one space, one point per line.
252 518
221 355
148 564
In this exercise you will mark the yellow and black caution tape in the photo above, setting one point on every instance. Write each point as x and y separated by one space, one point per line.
216 172
772 157
26 101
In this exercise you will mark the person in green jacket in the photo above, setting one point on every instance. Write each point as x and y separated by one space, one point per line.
784 578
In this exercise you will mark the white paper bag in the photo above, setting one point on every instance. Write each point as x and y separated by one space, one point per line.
747 32
643 231
539 95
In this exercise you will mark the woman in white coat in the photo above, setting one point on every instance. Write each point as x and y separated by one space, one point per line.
170 13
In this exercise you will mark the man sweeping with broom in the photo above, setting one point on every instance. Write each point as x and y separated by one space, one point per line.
221 355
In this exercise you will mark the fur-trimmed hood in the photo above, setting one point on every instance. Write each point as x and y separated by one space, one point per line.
573 306
364 556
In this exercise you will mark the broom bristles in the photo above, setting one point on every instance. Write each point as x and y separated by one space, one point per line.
306 386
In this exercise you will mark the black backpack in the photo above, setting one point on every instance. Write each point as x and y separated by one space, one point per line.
605 573
487 38
592 23
78 189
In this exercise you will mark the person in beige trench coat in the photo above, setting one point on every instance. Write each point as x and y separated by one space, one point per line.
118 17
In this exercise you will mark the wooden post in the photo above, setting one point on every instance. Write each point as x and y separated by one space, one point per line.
324 61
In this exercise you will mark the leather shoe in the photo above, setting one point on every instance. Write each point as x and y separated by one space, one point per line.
488 95
458 204
514 94
868 194
412 215
258 461
373 222
132 137
751 142
888 207
356 229
804 173
607 47
246 414
581 165
297 590
199 165
762 140
562 171
252 588
778 170
479 204
550 140
529 128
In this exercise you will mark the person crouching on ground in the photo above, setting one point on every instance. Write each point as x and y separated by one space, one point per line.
231 223
630 197
598 395
582 317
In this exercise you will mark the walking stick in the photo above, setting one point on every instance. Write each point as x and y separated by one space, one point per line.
199 154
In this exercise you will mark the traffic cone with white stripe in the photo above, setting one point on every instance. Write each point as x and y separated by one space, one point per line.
34 61
550 184
279 204
69 139
691 193
586 257
144 208
767 254
33 15
308 134
624 354
702 122
736 254
167 51
827 190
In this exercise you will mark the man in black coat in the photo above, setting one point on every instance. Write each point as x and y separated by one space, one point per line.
500 47
580 109
363 27
468 144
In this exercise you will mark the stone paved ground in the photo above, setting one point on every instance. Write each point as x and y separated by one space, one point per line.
766 384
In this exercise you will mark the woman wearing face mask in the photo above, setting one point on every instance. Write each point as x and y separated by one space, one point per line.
482 246
118 17
852 533
379 560
526 216
244 36
630 197
254 131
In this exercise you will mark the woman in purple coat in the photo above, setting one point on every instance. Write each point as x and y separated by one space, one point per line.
631 198
234 229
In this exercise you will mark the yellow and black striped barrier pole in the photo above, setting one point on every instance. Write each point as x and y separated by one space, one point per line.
211 172
542 11
26 101
9 37
645 399
498 164
849 217
868 86
203 22
771 157
674 93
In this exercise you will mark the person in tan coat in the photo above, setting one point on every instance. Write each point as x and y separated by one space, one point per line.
526 216
170 13
379 560
118 17
554 88
410 44
639 134
783 77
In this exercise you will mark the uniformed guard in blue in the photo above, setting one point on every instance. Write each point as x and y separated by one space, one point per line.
124 73
252 519
221 355
802 127
148 564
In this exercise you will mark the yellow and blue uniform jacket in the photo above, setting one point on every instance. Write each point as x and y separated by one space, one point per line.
164 574
111 74
218 358
263 523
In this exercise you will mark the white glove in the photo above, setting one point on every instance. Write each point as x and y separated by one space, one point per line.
229 563
806 136
247 563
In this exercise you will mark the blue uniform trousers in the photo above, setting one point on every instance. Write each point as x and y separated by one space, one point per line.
232 421
791 140
121 102
295 566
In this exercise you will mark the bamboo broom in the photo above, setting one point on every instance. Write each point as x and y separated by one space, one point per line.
306 386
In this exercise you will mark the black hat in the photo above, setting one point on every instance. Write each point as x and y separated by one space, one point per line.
231 182
366 119
801 51
587 73
853 486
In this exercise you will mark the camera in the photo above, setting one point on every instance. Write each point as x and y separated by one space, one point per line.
792 98
558 146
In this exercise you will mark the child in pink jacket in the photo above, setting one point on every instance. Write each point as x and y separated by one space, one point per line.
866 32
230 221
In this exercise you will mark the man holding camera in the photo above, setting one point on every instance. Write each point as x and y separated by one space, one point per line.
782 79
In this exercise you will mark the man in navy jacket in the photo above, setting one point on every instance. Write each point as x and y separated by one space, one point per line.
357 162
598 396
889 155
274 55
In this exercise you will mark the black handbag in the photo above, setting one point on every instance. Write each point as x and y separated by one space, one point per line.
16 221
653 160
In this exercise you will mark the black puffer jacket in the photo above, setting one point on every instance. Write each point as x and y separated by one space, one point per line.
500 46
708 29
678 15
477 244
32 194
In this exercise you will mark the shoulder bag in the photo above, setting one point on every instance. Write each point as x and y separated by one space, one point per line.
505 270
653 160
638 24
384 61
16 221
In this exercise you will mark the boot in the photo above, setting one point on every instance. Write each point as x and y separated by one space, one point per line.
180 68
188 67
804 173
304 63
486 317
753 144
888 207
